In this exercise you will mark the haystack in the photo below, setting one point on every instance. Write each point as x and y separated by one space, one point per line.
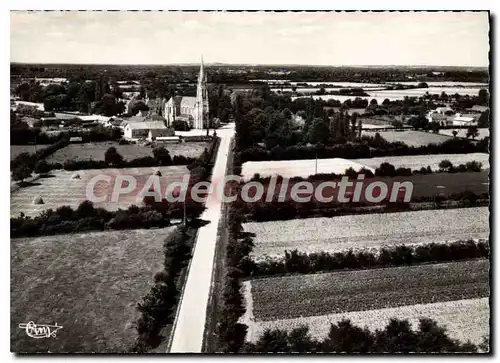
38 200
75 176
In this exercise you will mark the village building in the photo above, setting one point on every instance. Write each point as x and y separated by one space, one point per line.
145 129
464 120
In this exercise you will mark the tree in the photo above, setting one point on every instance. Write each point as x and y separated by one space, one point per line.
112 157
455 133
484 119
483 97
445 165
473 132
42 167
21 172
373 102
162 156
138 106
319 132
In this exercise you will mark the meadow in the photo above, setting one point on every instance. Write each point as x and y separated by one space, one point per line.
483 133
97 150
61 188
415 162
413 138
89 284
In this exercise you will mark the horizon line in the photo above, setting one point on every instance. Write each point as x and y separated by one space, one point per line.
256 64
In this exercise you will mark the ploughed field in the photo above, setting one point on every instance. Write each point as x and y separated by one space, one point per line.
97 150
63 189
307 167
367 231
89 284
454 294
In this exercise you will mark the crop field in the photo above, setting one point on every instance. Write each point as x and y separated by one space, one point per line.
303 168
340 292
97 150
63 189
483 133
413 138
418 161
89 284
367 231
15 150
367 292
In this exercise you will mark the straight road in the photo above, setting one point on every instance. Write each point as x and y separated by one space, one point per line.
189 323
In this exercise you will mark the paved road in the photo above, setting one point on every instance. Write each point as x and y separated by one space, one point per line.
191 315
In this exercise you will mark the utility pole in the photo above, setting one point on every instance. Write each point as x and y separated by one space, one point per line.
184 218
316 164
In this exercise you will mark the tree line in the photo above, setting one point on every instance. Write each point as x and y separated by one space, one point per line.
397 336
295 262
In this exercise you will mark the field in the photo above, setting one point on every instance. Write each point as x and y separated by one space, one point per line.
367 231
19 149
372 294
413 138
456 316
307 167
62 189
483 133
303 168
89 284
96 151
418 161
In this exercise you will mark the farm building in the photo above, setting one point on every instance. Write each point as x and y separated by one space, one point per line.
142 129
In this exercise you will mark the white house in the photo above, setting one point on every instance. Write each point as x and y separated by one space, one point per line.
460 120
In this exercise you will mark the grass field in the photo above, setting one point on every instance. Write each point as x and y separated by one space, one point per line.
89 284
303 168
307 167
15 150
418 161
367 231
62 189
413 138
96 151
300 296
483 132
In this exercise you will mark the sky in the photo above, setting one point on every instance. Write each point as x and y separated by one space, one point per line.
328 38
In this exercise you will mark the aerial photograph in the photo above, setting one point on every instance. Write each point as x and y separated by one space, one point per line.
250 182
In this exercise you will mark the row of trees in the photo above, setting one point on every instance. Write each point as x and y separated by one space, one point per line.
368 147
398 336
402 255
88 218
156 308
261 211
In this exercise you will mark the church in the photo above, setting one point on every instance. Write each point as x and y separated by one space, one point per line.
193 110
